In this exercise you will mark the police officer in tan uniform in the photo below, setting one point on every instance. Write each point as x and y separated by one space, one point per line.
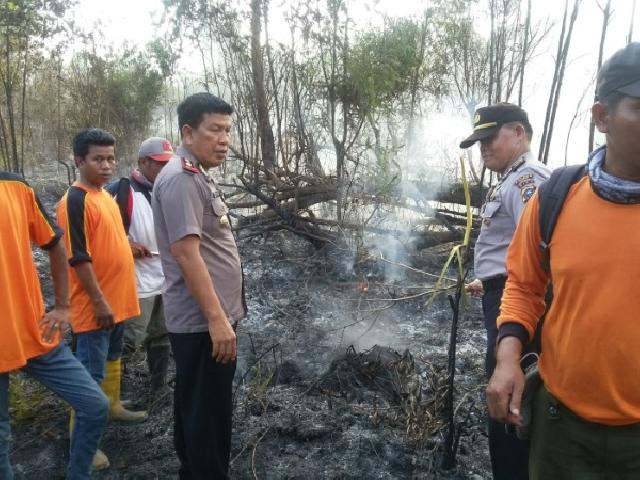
203 293
504 133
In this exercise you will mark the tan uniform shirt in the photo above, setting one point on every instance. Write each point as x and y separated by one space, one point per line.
501 212
187 201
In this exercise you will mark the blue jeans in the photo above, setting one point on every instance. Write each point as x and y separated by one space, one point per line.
94 348
61 373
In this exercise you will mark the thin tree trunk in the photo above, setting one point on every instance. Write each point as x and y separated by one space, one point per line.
415 84
606 14
274 85
267 141
525 48
633 15
565 54
23 112
491 52
554 82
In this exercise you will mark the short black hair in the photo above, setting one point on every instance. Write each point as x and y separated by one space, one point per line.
192 108
91 136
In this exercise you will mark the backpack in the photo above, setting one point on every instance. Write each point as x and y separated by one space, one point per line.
551 195
121 191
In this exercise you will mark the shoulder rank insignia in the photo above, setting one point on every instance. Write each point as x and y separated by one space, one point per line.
188 165
524 180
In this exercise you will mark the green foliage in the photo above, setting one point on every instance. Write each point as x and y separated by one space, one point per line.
387 173
23 400
117 93
379 65
27 29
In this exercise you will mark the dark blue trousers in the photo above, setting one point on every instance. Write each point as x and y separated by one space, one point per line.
203 406
509 455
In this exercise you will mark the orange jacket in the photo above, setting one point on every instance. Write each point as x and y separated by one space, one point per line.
94 233
590 356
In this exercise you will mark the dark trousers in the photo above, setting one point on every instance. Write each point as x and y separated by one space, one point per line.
567 447
509 455
202 408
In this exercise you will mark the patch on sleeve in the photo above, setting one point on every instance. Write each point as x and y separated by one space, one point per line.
527 192
188 165
525 180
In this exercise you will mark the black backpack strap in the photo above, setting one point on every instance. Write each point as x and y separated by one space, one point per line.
552 195
137 187
121 190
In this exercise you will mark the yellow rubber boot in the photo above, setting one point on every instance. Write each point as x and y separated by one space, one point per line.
111 388
100 460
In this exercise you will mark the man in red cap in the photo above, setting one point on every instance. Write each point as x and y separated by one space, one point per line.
133 195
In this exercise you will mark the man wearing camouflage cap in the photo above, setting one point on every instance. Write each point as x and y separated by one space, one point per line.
133 195
504 133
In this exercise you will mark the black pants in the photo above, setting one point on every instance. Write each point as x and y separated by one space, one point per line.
509 455
202 408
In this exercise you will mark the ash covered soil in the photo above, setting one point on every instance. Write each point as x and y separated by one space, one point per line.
341 375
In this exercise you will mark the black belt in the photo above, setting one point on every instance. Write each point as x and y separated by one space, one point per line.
495 283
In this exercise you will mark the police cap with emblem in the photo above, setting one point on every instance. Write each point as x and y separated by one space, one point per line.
488 121
620 73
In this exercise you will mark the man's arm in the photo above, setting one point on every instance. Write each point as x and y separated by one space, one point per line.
504 392
521 306
89 282
196 276
138 250
58 318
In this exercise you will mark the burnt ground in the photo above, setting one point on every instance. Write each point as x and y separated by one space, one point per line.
341 375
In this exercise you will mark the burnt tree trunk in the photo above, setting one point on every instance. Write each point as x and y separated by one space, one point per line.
606 15
267 141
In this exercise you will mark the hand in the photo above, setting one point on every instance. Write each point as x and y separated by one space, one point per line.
139 250
224 340
54 323
474 288
504 392
104 314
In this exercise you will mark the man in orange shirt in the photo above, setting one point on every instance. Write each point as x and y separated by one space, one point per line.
102 280
586 420
30 338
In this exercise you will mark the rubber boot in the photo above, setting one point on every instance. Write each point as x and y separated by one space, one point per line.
100 460
158 362
111 388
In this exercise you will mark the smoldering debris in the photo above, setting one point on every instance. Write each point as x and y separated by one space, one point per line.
308 404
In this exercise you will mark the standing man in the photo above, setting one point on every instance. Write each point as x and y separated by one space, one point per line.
204 295
133 196
504 133
586 420
103 282
30 338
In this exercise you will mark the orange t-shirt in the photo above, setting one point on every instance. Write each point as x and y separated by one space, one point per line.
22 221
590 335
94 233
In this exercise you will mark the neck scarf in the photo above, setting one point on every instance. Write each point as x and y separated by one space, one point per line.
607 186
137 175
